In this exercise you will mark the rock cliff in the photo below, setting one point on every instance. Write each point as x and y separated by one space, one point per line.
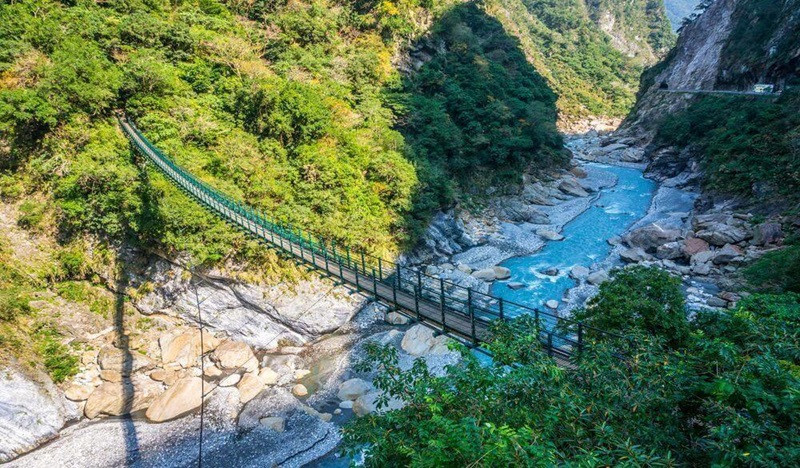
732 45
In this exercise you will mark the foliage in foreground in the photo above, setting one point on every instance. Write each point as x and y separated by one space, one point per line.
728 395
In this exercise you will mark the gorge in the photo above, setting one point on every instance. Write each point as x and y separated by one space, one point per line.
499 146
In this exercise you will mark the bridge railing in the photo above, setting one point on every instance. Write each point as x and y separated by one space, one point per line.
560 336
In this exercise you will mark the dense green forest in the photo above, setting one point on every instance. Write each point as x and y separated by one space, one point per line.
748 146
564 42
712 390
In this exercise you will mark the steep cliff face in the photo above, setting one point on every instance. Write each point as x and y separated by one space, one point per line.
693 63
731 46
744 149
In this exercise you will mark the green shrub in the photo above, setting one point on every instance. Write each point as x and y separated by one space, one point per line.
56 357
777 271
748 146
14 301
31 214
73 262
639 300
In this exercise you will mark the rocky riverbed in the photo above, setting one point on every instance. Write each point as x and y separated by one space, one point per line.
273 369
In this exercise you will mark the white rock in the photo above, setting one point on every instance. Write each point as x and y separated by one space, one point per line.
346 404
352 389
597 277
31 413
299 390
418 340
396 318
440 346
501 273
230 380
487 274
368 403
579 272
552 304
268 376
178 400
549 235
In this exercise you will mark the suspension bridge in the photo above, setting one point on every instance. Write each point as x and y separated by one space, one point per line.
448 307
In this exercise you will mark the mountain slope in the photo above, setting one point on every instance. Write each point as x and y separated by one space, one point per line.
747 146
594 72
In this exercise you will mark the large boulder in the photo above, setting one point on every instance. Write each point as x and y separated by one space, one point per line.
597 277
396 318
632 155
719 229
118 398
572 187
501 273
652 236
268 376
518 212
184 349
634 255
353 388
418 340
536 194
670 251
487 274
31 413
368 403
232 354
767 233
249 386
579 272
123 362
181 398
693 245
727 254
547 234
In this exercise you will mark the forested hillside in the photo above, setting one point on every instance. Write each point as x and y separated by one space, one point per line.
588 51
297 108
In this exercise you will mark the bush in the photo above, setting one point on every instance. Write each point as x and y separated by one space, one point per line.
31 215
747 146
14 301
727 396
777 271
639 300
57 359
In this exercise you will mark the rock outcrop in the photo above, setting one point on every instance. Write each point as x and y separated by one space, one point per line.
31 412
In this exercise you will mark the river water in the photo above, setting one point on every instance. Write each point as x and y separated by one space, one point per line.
586 240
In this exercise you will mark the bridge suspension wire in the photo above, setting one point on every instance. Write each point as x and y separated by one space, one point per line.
460 312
